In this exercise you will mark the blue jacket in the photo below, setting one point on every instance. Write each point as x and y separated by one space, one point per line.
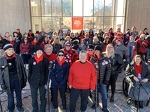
59 74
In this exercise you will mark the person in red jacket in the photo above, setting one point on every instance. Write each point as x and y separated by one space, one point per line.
25 50
141 45
82 79
70 54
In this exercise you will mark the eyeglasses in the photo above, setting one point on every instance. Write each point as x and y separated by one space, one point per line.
60 55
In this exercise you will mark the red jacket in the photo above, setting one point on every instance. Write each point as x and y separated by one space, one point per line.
71 56
141 48
82 75
25 48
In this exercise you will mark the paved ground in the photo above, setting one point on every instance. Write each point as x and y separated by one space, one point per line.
119 105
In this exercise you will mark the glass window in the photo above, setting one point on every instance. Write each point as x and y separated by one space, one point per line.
47 23
56 8
36 24
77 7
46 7
88 23
67 7
57 23
109 9
35 8
119 23
67 23
120 8
88 8
108 23
98 23
98 7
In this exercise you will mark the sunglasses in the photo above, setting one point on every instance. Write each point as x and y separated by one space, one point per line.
60 55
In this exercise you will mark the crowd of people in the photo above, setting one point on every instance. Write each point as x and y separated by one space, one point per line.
78 63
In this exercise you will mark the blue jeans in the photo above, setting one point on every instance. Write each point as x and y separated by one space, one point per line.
147 54
26 58
103 92
14 86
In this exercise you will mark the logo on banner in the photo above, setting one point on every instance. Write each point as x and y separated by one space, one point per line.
77 23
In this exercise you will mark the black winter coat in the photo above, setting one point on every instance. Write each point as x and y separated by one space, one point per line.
104 70
38 72
4 79
116 64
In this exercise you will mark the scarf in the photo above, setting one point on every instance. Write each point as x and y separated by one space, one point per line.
34 43
38 59
61 62
138 69
10 57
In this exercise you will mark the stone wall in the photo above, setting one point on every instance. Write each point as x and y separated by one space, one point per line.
138 14
14 14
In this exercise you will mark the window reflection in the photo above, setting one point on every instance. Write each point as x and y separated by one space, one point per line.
57 23
67 7
109 9
56 8
47 23
88 8
67 22
96 14
35 8
88 23
120 7
77 7
119 22
108 23
36 24
98 22
98 7
46 7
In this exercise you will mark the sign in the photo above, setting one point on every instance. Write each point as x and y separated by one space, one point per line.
77 23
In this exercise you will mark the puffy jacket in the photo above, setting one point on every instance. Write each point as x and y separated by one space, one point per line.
104 70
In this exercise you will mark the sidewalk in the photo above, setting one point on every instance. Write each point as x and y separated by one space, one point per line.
119 105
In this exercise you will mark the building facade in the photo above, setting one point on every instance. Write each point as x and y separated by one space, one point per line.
73 14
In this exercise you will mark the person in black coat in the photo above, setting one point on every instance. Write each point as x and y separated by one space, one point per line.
116 68
12 76
58 76
38 75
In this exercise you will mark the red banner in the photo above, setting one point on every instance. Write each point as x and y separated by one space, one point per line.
77 23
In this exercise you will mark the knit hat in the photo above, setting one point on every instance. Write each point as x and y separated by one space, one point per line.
98 47
67 43
60 51
38 48
7 46
90 46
